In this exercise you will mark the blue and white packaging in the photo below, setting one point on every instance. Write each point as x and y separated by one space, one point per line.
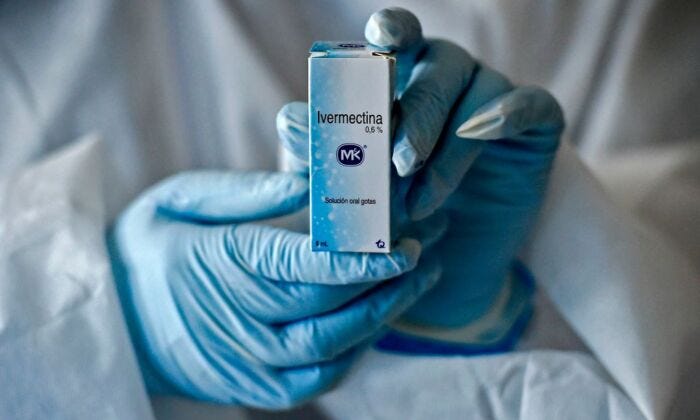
350 103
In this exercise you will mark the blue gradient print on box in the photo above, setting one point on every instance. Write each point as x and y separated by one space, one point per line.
350 98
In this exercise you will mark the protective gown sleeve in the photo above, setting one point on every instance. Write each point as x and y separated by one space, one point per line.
64 346
627 290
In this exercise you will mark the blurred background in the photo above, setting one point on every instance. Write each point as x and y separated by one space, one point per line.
171 86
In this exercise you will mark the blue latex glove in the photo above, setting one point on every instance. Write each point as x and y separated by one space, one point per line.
470 143
226 310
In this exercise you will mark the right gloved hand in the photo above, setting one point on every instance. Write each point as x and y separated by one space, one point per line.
480 148
471 144
230 311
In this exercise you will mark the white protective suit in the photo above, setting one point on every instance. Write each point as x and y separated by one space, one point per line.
99 99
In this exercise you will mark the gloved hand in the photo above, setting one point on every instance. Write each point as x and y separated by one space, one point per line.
470 143
226 310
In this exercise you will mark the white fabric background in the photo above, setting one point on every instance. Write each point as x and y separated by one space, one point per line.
175 85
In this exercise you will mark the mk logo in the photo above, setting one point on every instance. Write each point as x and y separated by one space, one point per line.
350 154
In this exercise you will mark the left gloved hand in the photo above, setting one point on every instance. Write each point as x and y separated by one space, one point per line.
224 309
468 142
